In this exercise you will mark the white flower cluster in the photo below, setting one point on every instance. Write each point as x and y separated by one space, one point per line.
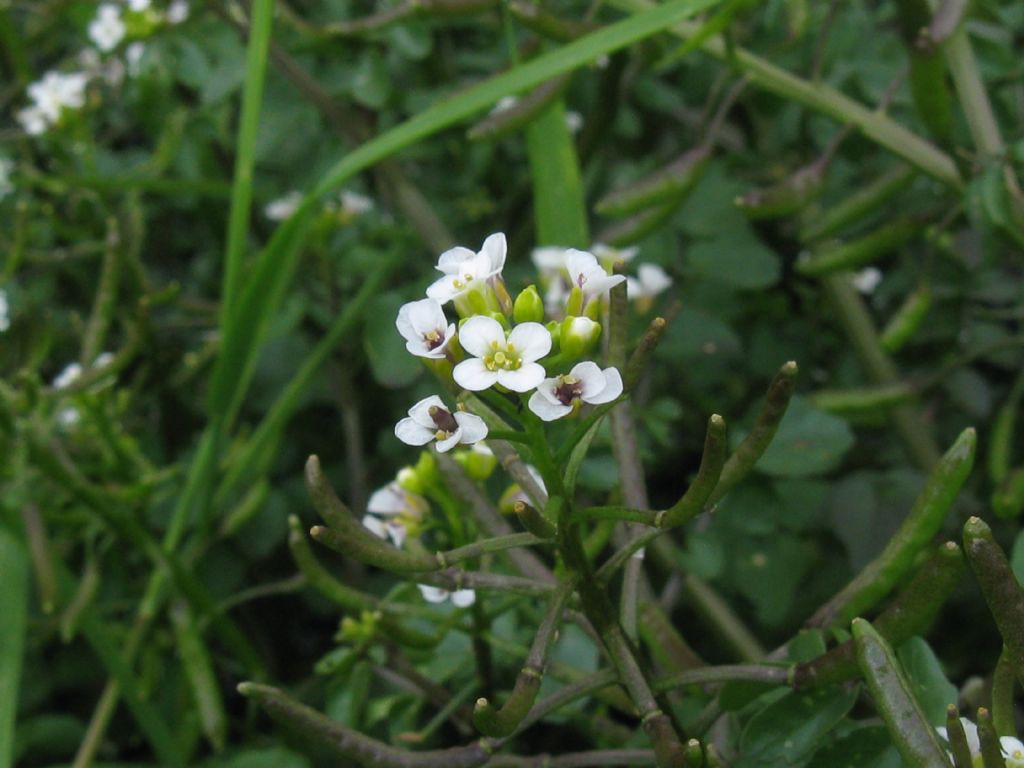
108 29
50 96
1012 748
348 206
487 350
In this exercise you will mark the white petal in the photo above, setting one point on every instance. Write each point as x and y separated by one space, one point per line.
375 526
404 323
463 598
443 290
433 594
590 376
451 259
548 259
449 442
598 284
494 248
612 388
531 340
473 375
1012 747
426 315
971 731
545 409
397 532
580 265
420 413
389 500
411 433
653 278
524 379
472 427
478 333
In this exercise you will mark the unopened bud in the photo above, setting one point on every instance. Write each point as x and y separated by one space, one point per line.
529 306
478 462
409 479
578 336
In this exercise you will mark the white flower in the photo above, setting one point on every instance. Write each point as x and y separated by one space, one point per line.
430 420
133 57
549 260
51 94
177 12
107 29
464 269
68 376
589 276
68 417
355 204
5 316
425 329
867 280
33 120
138 5
6 167
650 280
497 359
102 359
1013 749
573 122
461 598
399 508
586 382
283 207
504 104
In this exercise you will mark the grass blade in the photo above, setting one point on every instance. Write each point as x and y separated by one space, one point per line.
14 569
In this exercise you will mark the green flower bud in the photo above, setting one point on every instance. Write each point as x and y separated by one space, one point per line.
529 306
575 304
478 461
578 336
409 479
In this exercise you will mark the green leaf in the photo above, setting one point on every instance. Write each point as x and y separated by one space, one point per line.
868 747
559 209
371 83
928 682
14 576
391 364
809 442
785 732
737 260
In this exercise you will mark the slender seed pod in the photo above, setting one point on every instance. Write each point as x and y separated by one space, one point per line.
693 754
638 361
907 320
533 521
911 612
637 227
348 745
712 461
1000 444
524 110
1008 497
202 679
999 585
879 576
743 459
915 740
864 401
864 250
786 197
858 205
1002 697
991 750
668 184
958 744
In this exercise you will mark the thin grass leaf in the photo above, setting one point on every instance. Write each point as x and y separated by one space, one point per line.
559 210
14 576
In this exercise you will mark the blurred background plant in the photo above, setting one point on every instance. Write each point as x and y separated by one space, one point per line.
212 212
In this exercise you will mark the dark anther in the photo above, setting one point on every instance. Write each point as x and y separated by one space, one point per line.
568 389
443 419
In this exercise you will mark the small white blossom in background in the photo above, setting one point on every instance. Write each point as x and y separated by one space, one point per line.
138 5
867 280
6 168
393 510
461 598
609 254
283 207
464 270
504 104
650 280
107 30
425 329
355 204
1013 749
133 57
573 121
50 95
430 420
177 12
5 310
68 376
68 417
585 383
550 262
510 361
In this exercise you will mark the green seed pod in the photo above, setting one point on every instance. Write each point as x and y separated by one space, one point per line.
528 306
908 318
786 197
1008 497
991 749
669 184
862 251
498 723
879 576
637 227
1000 446
999 585
863 401
858 205
521 112
958 744
915 740
533 521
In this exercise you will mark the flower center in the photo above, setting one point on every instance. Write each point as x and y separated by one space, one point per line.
504 358
433 339
463 282
445 422
567 389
